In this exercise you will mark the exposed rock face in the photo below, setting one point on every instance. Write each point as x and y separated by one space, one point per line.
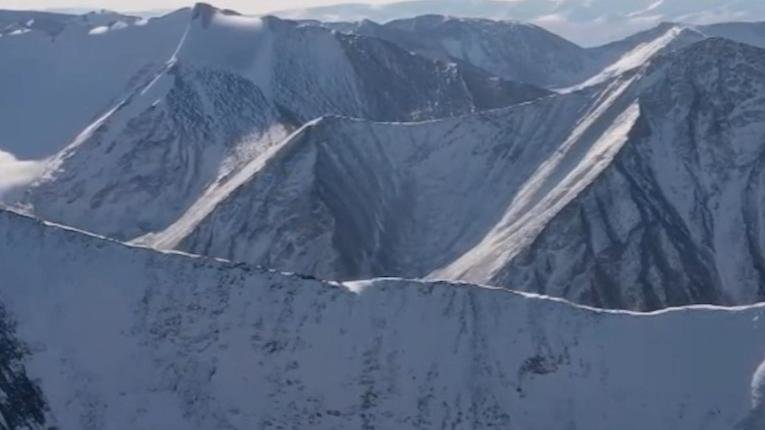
22 405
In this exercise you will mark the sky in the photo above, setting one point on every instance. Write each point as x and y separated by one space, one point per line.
245 6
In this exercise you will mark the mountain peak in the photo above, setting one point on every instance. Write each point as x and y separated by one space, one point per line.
205 13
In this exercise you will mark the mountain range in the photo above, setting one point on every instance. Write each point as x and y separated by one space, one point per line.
213 220
586 22
578 194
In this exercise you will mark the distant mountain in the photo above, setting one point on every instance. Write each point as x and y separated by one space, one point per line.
641 192
62 71
96 334
586 22
528 53
512 50
235 89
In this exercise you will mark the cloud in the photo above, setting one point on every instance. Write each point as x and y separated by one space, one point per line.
15 173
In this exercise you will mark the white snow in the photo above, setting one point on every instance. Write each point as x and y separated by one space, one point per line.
558 180
53 88
221 189
125 338
98 30
632 59
758 387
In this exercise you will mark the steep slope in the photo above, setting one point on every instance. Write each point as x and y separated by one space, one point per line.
60 71
124 337
584 195
676 218
751 33
512 50
349 199
236 87
619 57
528 53
329 73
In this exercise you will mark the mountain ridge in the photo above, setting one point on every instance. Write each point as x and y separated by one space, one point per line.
183 325
330 201
181 128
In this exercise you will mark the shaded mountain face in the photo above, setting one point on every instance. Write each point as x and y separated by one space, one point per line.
528 53
515 51
676 219
651 178
234 90
60 72
22 403
132 338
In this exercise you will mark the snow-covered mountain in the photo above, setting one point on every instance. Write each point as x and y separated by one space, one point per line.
59 72
513 50
582 195
528 53
96 334
234 90
586 22
677 215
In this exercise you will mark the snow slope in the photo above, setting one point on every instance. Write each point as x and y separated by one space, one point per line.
121 337
513 50
225 99
59 73
349 199
676 218
752 33
528 53
569 195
